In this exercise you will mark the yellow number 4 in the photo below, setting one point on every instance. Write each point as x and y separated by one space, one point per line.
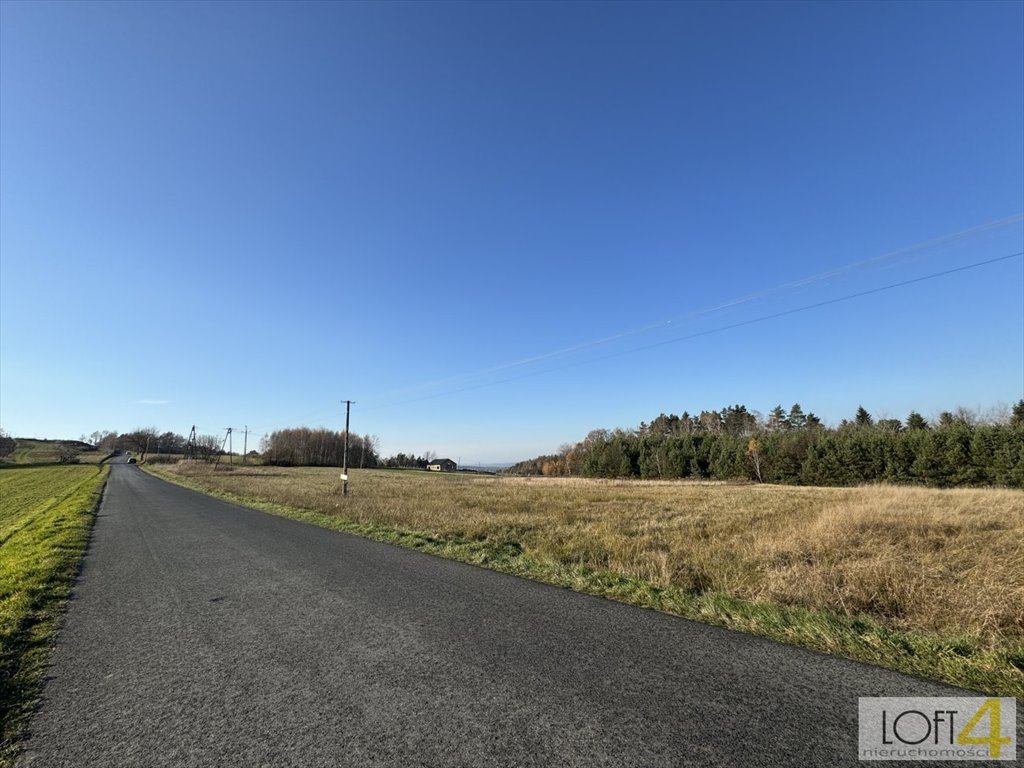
994 740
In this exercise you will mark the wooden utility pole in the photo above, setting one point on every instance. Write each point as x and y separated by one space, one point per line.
344 466
245 445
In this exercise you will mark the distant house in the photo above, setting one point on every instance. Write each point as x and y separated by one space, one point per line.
442 465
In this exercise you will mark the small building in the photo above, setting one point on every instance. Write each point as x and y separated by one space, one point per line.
442 465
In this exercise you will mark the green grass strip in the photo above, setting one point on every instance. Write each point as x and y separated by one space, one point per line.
956 660
46 516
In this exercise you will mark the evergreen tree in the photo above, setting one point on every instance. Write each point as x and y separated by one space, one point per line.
797 419
863 418
777 419
1017 418
7 444
916 421
738 421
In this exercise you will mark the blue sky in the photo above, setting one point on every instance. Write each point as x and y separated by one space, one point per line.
493 225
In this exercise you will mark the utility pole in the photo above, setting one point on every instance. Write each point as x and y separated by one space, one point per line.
245 444
344 467
226 441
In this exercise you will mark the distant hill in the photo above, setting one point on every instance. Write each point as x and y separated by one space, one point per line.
497 467
29 450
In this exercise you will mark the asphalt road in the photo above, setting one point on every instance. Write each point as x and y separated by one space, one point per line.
204 634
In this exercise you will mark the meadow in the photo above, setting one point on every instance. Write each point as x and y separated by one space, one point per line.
46 514
926 581
32 451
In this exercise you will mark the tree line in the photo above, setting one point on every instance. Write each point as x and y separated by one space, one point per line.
296 446
300 446
150 441
305 447
409 460
958 449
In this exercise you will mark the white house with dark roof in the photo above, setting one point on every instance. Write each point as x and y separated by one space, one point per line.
442 465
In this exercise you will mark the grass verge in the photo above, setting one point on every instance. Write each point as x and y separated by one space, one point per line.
843 571
45 520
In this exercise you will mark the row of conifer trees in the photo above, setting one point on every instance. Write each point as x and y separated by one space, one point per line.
736 444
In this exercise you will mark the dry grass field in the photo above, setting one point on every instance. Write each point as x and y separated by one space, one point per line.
933 577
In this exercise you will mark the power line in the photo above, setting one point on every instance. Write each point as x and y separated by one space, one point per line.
699 334
285 424
828 302
709 332
891 256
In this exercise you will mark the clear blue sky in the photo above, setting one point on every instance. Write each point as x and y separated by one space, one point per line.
239 214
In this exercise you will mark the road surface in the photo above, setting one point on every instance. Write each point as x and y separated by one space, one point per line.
204 634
